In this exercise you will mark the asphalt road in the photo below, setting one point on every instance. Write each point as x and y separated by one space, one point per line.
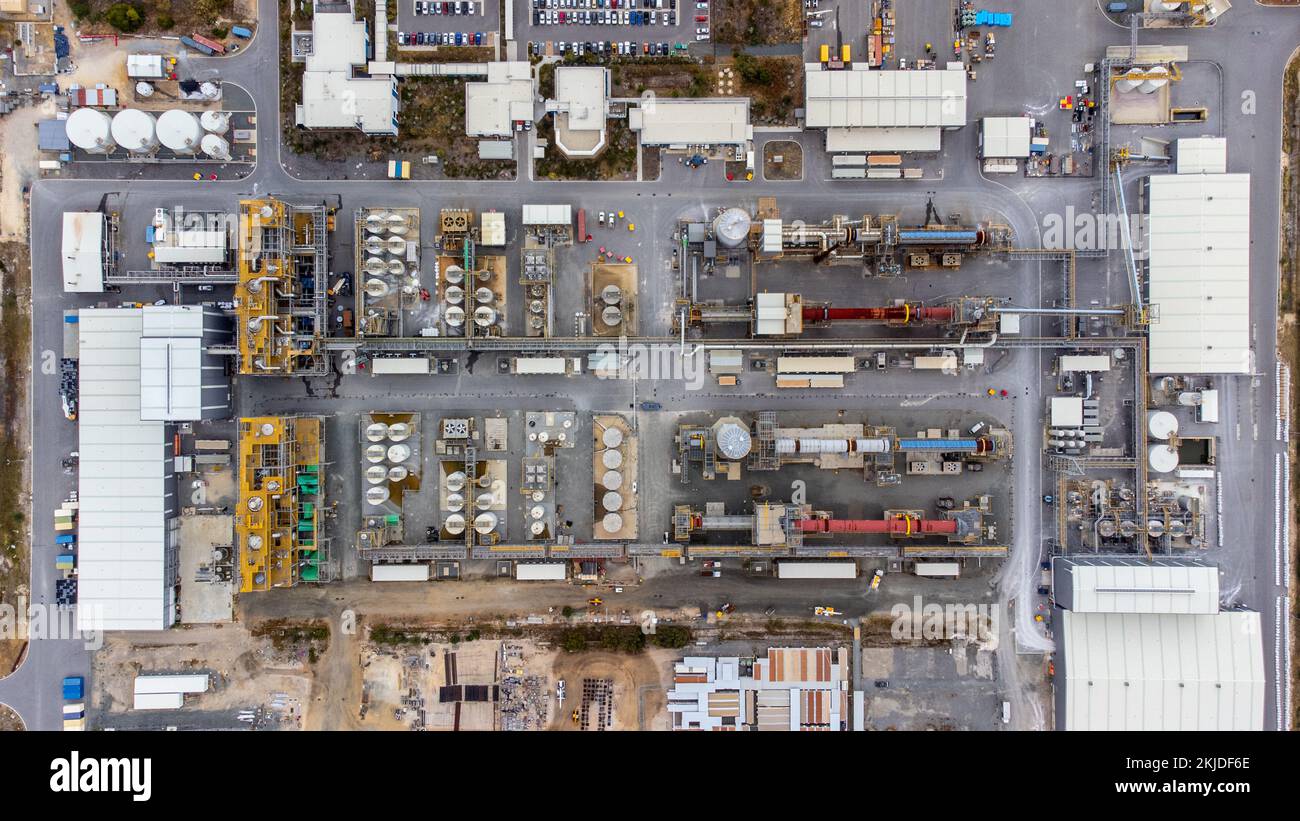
1248 49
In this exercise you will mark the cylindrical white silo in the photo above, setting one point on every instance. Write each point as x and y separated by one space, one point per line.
210 90
135 130
144 89
215 147
180 131
91 130
217 122
731 228
1153 85
1126 84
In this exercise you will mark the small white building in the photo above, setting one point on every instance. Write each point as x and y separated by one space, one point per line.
492 107
84 252
581 93
334 93
1004 137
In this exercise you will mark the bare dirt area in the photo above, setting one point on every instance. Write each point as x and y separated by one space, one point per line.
757 22
636 689
15 497
9 720
1289 276
783 160
268 668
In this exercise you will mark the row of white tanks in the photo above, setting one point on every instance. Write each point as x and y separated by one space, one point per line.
611 479
484 523
457 293
1143 80
387 455
140 132
1162 457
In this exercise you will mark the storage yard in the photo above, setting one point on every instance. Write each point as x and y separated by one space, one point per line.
737 447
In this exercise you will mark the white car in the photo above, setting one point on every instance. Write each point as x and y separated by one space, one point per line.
701 31
700 37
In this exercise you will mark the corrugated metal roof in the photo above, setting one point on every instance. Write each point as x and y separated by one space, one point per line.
693 122
1162 672
123 486
1202 155
83 252
883 139
548 214
171 683
884 98
1005 136
1199 270
1123 585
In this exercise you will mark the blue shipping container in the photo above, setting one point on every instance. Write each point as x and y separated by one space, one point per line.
72 687
240 31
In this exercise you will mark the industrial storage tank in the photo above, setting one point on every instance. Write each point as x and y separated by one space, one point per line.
612 437
1161 424
611 316
215 147
91 130
455 524
135 130
611 459
612 522
1162 459
611 295
210 91
180 131
217 122
1150 86
143 89
732 438
1126 83
731 228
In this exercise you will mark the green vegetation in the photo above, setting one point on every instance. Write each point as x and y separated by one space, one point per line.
612 638
14 335
398 636
616 162
757 22
671 636
124 17
310 637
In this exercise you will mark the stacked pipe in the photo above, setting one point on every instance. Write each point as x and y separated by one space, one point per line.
898 526
878 444
895 314
977 445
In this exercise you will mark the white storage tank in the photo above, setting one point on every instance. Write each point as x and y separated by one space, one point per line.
180 131
215 122
218 148
135 130
91 130
1127 82
1161 424
144 89
731 228
1162 459
1150 86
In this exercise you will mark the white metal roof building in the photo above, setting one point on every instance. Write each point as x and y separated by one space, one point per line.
332 96
1154 671
580 92
541 571
1199 271
548 214
1004 137
883 139
1121 584
179 381
856 98
190 246
692 122
399 572
83 252
126 533
1201 155
788 689
171 683
145 66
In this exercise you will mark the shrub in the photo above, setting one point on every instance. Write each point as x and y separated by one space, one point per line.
124 17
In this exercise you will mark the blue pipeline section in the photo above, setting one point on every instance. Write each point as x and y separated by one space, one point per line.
926 235
939 444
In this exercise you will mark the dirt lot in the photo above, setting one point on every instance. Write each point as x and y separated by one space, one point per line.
791 165
9 721
757 22
15 532
616 162
210 18
249 669
639 683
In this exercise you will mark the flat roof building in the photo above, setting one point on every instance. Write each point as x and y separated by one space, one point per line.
581 93
788 689
914 105
334 95
84 251
1198 236
1004 137
492 107
692 122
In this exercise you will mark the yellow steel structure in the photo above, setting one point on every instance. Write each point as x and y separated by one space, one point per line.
281 495
281 294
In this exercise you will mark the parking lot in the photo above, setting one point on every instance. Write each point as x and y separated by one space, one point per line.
448 17
676 23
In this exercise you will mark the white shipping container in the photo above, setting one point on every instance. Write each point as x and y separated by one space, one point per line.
944 570
399 572
843 569
417 365
541 571
186 683
159 701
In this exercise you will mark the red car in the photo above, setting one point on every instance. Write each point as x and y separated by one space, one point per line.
701 18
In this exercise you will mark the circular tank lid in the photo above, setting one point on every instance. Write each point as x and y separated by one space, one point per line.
1162 424
396 267
455 501
215 121
1155 528
376 453
455 481
376 431
612 501
399 453
179 130
376 474
611 316
484 316
89 128
454 294
611 295
483 501
537 511
612 523
376 495
612 437
484 295
399 431
376 288
454 273
611 459
255 503
536 306
611 480
210 90
396 245
455 316
1162 458
538 495
731 227
733 440
537 528
397 473
1106 528
455 524
143 89
134 129
254 541
485 522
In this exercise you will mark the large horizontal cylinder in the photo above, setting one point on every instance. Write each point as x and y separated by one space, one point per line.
903 314
899 526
